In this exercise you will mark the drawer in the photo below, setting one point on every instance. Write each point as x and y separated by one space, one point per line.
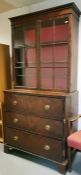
44 126
42 146
36 105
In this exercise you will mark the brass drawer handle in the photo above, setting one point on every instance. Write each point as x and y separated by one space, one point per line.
64 121
15 138
14 102
47 147
66 21
47 127
15 120
47 107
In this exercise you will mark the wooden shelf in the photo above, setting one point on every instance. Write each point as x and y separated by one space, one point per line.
53 43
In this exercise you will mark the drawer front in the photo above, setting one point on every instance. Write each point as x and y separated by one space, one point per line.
44 126
42 106
42 146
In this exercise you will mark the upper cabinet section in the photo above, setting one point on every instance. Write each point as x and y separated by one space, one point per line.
49 31
45 49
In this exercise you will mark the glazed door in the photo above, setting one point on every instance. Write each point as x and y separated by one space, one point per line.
41 54
54 54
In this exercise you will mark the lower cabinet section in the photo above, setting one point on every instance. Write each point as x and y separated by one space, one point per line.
36 144
37 123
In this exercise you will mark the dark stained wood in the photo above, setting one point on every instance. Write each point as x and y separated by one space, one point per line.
36 120
63 9
28 101
74 52
35 105
31 123
26 115
62 169
35 144
34 21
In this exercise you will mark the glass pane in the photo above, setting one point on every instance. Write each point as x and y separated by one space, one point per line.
19 66
19 81
19 71
46 31
29 36
46 78
61 55
30 57
61 78
46 56
18 55
18 36
61 29
30 77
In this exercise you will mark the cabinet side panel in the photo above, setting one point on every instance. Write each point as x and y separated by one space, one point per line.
74 53
71 107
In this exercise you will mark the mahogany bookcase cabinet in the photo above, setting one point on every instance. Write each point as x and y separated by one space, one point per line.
44 83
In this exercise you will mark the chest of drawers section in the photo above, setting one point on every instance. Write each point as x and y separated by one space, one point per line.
37 124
